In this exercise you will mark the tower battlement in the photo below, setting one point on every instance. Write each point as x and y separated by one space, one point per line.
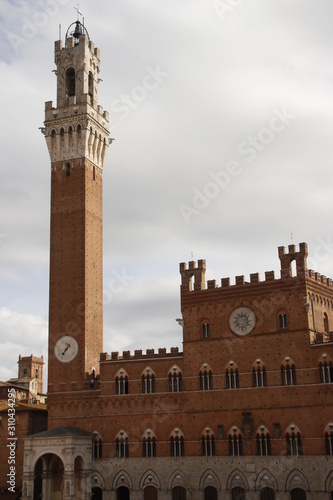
299 257
193 276
138 354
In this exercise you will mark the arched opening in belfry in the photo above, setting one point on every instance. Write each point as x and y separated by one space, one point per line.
91 84
70 82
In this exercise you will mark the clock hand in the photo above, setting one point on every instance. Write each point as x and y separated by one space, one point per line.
67 347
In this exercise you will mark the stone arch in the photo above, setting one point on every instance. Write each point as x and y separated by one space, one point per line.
296 479
150 478
237 478
122 479
209 478
51 465
329 482
177 478
97 480
265 479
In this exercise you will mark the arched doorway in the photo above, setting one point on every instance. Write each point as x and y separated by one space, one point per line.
297 494
51 468
123 493
150 493
267 494
96 493
238 493
178 493
210 493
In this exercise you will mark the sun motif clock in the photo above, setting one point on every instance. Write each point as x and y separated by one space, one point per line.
66 349
242 321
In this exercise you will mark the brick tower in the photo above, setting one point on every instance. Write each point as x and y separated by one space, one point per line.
31 367
76 132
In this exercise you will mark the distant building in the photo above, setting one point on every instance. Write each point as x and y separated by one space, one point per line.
29 383
244 412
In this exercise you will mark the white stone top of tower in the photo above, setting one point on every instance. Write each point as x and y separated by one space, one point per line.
78 126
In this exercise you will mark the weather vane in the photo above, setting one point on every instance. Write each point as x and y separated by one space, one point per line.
79 13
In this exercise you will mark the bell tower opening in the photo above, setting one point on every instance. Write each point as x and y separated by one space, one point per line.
70 82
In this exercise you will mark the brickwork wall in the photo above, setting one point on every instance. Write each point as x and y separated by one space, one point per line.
76 281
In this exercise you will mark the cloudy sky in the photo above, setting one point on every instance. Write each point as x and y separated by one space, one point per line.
222 113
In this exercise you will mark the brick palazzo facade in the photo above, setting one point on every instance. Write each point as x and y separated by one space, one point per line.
244 412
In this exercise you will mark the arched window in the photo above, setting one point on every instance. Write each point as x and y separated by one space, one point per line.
232 376
150 493
206 378
121 382
329 439
177 444
97 446
205 330
178 493
149 444
91 84
122 445
263 442
267 494
235 443
326 369
326 325
208 443
283 323
288 372
210 493
148 381
175 379
238 493
25 372
293 441
297 494
123 493
70 82
259 374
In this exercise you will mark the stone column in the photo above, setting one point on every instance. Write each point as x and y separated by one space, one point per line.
28 486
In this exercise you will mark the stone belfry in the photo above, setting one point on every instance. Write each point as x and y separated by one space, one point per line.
76 132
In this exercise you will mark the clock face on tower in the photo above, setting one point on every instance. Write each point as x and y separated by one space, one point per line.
66 349
242 321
